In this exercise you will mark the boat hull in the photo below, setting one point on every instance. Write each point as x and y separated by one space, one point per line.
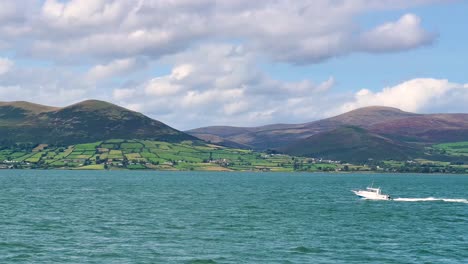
371 195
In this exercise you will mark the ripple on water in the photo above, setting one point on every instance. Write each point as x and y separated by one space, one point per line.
307 250
201 261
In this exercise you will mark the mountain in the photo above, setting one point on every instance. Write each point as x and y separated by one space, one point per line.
372 132
281 135
87 121
353 144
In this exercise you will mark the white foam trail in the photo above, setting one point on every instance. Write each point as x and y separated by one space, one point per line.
429 199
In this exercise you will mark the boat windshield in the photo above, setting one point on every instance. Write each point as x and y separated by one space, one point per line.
376 190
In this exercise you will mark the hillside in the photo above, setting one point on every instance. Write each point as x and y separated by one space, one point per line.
13 111
210 138
87 121
378 133
353 144
433 128
281 135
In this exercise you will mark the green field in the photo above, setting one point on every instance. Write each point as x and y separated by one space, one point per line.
453 149
144 154
199 156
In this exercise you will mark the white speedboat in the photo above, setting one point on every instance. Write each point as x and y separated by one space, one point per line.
371 193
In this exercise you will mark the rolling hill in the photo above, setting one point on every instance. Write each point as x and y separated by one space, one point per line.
87 121
281 135
393 133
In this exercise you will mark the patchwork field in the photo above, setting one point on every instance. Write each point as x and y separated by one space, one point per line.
143 154
200 156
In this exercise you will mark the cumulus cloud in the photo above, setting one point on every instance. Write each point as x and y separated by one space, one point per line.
406 33
221 84
116 67
417 95
171 84
51 86
82 13
298 32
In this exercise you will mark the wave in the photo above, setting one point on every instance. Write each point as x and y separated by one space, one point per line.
431 199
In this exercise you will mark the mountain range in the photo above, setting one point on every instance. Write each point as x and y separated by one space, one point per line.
380 133
374 132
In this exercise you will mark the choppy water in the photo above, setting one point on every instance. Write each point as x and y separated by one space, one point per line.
182 217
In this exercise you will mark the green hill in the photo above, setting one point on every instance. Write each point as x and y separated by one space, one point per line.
88 121
352 144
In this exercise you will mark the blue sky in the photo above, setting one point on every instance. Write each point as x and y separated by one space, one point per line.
244 63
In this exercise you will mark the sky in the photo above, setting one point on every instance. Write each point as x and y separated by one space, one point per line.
243 63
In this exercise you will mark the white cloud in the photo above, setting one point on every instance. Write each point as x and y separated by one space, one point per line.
182 71
406 33
236 107
51 86
83 13
116 67
123 94
195 93
171 84
220 84
5 65
133 107
162 86
54 96
298 32
416 95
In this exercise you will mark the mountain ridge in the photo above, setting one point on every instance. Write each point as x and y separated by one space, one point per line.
279 135
33 107
85 121
367 133
409 131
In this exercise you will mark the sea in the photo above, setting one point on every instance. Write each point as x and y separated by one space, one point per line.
230 217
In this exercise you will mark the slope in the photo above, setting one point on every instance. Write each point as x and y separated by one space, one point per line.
352 144
432 128
86 121
281 135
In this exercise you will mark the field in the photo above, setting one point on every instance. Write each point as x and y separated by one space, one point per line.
144 154
441 158
200 156
453 149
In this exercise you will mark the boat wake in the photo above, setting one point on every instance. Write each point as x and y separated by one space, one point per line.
431 199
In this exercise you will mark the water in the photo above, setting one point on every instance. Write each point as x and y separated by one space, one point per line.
188 217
